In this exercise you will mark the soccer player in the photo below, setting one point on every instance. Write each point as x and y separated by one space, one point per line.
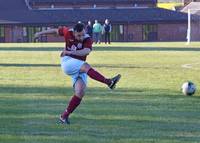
73 63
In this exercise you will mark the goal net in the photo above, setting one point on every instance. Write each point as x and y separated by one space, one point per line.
193 30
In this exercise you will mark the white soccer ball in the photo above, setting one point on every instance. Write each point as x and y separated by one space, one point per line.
188 88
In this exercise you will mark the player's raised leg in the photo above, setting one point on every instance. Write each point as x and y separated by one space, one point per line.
79 90
92 73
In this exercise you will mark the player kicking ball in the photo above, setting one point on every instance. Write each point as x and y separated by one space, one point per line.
73 57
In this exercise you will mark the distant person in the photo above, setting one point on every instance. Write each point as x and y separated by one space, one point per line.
89 29
97 30
107 28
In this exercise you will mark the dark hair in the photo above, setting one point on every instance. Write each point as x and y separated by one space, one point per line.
79 27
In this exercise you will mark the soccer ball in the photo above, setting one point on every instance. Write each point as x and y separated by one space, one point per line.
188 88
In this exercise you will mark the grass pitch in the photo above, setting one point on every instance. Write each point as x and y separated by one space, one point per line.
147 105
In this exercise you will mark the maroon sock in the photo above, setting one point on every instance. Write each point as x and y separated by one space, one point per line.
74 102
97 76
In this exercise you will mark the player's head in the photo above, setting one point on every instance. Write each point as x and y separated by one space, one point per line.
89 22
106 21
79 31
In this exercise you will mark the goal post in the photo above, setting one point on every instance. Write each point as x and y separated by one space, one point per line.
193 26
189 28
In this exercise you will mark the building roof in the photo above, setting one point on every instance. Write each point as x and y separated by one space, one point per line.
168 1
18 13
93 1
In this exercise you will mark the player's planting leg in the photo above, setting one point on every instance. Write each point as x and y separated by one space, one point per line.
108 37
92 73
79 89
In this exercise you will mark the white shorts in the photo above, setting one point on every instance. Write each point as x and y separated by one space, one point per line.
71 67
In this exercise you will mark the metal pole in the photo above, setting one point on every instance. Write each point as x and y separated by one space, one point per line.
189 27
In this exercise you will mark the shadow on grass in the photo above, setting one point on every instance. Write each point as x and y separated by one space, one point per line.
99 126
36 90
97 91
124 66
28 65
146 49
31 49
106 49
109 129
141 129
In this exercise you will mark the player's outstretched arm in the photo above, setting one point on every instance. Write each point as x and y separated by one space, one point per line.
48 31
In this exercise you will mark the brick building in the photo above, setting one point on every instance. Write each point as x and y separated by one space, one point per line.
132 20
38 4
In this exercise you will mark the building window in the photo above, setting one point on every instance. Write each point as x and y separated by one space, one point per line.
149 32
37 29
2 31
44 28
116 34
2 34
31 32
24 31
121 29
25 34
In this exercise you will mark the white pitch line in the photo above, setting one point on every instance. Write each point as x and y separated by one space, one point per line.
189 66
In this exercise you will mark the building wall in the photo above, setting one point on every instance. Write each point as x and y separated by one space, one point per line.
91 5
172 32
132 33
55 38
165 32
17 34
8 34
195 31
